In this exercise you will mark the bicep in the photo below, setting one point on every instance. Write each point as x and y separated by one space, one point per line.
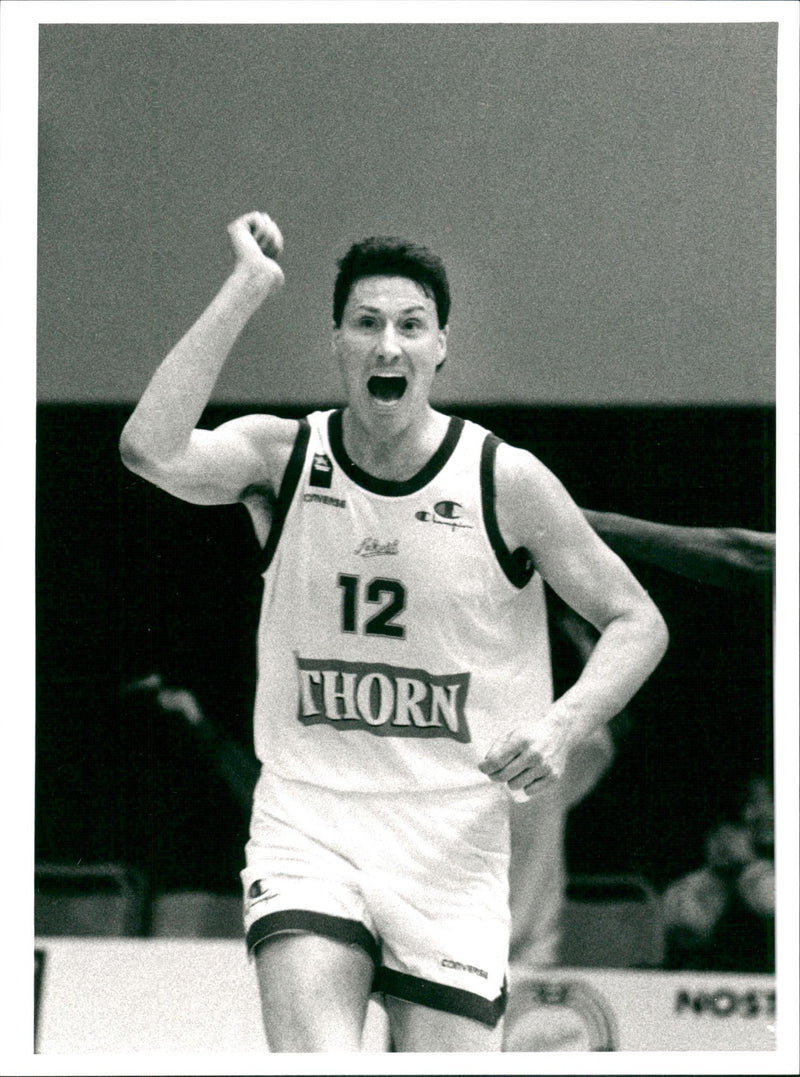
218 466
587 575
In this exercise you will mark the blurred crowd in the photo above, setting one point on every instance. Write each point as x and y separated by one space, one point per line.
721 916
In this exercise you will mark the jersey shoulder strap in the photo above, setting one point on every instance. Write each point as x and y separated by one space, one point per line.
517 564
291 477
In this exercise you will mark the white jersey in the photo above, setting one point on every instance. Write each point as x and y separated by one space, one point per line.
399 637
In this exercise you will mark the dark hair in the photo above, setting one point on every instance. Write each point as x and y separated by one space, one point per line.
388 255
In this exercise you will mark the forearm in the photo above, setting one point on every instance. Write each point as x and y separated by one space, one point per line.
174 400
239 770
237 767
625 655
535 756
725 557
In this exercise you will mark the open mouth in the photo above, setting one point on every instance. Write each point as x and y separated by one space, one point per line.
387 388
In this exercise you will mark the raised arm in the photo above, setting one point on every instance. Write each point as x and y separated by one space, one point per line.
535 511
161 441
729 557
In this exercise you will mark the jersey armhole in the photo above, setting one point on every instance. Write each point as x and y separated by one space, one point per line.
517 565
291 477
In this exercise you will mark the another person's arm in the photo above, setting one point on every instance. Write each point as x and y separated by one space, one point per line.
727 556
237 767
161 441
535 511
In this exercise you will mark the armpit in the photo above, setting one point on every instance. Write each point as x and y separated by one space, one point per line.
259 500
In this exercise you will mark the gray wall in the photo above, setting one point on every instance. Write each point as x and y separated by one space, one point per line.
603 196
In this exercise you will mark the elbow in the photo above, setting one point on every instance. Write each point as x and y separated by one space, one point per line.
130 451
135 456
650 629
658 632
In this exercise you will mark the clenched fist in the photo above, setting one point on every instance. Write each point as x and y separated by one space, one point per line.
528 761
257 243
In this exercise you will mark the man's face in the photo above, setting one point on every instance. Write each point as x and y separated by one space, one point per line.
728 847
388 347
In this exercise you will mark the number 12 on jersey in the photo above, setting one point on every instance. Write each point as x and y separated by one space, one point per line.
389 594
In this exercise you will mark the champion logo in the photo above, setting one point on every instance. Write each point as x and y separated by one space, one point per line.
259 891
445 513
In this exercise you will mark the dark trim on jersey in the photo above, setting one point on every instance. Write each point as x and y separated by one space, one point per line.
291 477
352 932
391 487
441 996
518 566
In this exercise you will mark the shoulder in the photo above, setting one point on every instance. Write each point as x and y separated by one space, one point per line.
533 506
518 471
266 432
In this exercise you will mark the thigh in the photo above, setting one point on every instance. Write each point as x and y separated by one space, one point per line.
419 1028
442 974
444 937
314 992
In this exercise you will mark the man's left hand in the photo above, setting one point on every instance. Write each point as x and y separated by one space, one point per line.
531 760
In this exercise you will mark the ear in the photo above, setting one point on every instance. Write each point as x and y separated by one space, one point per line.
442 347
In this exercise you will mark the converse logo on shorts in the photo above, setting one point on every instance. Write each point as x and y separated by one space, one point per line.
448 964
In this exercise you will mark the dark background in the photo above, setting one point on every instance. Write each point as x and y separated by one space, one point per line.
131 580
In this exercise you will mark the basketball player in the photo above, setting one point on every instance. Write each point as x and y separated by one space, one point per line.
404 690
730 557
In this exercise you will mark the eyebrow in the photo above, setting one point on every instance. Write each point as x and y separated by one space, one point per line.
405 310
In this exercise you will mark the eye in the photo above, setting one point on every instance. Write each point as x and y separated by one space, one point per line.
411 325
366 321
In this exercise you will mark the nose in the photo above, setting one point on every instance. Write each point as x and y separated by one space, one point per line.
389 345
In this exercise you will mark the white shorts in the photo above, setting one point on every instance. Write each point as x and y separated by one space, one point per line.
419 881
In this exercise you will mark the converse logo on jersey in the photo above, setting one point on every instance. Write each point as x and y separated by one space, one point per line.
321 471
388 701
370 547
325 499
447 513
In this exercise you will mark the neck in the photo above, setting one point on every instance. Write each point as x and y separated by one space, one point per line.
395 455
